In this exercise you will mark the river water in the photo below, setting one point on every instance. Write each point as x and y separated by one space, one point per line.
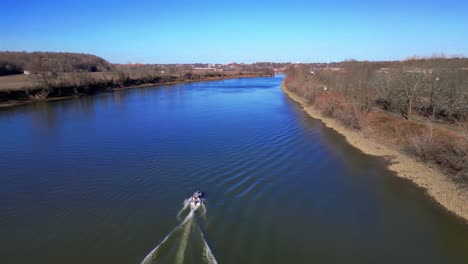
102 179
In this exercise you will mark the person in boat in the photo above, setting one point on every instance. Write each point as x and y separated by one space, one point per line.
196 197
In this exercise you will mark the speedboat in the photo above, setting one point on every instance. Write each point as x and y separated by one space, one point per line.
196 199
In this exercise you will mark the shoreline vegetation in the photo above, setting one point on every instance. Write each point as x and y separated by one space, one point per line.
26 95
393 137
47 76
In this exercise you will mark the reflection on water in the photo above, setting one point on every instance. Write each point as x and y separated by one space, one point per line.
99 179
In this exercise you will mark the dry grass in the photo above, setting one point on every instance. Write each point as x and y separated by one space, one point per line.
14 82
22 81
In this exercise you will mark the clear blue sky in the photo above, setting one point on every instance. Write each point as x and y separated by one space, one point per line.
181 31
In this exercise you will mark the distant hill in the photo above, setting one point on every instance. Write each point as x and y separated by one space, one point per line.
18 62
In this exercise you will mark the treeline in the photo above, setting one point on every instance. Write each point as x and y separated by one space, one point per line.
419 106
435 88
60 62
39 62
272 64
50 70
148 72
45 85
68 74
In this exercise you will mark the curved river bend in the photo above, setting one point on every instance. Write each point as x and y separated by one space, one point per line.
102 179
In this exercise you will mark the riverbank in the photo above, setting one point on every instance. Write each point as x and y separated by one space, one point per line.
25 95
444 191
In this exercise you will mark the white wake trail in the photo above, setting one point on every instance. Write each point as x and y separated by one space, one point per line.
207 253
179 258
186 204
186 224
153 254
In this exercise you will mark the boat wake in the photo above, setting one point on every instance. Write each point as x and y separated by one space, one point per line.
186 235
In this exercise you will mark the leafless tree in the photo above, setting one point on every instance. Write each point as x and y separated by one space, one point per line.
409 81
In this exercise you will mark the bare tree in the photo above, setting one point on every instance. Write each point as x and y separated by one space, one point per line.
387 95
409 81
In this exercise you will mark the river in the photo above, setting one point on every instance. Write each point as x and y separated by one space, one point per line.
101 179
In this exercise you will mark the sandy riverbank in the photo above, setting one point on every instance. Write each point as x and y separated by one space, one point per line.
444 191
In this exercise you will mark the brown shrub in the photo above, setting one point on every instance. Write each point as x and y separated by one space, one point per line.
423 144
352 117
328 103
444 148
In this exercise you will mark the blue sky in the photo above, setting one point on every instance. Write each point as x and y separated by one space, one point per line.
181 31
